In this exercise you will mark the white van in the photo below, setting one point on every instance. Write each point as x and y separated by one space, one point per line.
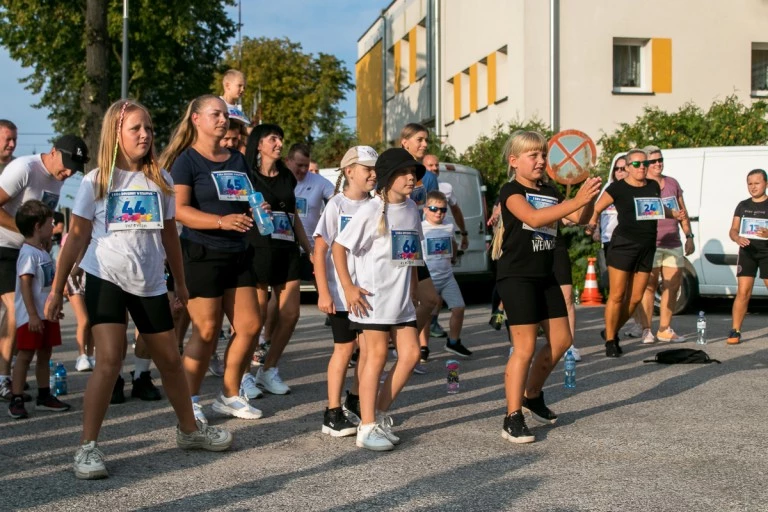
475 264
714 181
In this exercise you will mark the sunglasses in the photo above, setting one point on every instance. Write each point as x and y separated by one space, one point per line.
620 168
435 209
637 165
655 161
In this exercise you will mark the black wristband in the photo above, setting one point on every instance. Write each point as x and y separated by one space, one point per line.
689 235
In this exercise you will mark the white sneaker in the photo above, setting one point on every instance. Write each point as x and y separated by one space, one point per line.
83 364
669 334
648 337
212 439
89 462
635 331
216 366
420 369
371 437
236 406
248 387
511 349
270 381
197 409
385 423
575 352
92 360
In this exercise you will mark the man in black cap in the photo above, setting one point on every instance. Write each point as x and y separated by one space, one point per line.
29 177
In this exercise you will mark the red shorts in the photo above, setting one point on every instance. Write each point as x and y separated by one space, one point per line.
50 337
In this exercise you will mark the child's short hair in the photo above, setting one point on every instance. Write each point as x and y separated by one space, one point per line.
32 213
232 73
437 196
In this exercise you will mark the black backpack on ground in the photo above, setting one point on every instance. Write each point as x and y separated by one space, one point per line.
682 356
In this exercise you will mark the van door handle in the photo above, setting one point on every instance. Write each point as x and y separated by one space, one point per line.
481 228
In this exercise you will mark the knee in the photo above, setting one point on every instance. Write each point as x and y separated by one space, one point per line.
744 293
289 315
409 355
458 312
207 329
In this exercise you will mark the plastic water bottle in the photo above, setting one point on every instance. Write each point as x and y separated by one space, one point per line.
576 296
61 380
51 377
452 376
262 218
570 370
701 329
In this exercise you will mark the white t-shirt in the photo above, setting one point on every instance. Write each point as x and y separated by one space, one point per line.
37 263
438 250
130 254
337 214
311 193
447 189
379 269
26 178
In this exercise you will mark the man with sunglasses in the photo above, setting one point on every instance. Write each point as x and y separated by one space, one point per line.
668 259
30 177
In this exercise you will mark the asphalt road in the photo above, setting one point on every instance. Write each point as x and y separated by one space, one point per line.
632 436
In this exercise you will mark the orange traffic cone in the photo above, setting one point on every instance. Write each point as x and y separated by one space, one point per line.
591 294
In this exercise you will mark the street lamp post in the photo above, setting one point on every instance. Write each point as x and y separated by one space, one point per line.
124 86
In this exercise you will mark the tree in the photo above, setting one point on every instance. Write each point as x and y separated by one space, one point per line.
299 91
175 47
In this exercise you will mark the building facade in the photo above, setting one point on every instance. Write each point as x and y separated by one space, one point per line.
463 66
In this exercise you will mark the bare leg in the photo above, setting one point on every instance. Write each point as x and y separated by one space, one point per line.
644 312
456 323
516 372
23 361
615 303
567 290
8 336
242 308
637 284
672 277
84 341
407 344
373 348
741 301
558 341
289 301
271 315
337 372
205 314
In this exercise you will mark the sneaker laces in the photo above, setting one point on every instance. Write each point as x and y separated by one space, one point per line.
276 376
385 422
91 455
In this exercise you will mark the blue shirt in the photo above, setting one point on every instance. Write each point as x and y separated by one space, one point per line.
427 184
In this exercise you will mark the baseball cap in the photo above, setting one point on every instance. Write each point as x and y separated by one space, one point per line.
74 152
363 155
391 161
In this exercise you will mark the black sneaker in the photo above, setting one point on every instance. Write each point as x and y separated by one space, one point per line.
51 403
457 348
515 430
144 389
6 394
336 423
118 397
353 360
351 408
16 408
424 351
539 410
611 349
618 347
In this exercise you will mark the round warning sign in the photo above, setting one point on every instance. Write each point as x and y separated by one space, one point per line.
572 154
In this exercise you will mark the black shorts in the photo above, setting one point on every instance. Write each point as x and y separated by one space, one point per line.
106 303
277 265
630 256
562 267
423 273
341 329
530 300
209 272
8 259
749 262
306 269
380 327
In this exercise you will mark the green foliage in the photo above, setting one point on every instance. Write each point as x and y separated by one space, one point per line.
299 91
329 149
174 48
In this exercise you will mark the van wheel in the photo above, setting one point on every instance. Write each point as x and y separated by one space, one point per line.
686 297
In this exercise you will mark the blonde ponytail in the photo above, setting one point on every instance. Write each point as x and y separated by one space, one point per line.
382 228
498 239
339 181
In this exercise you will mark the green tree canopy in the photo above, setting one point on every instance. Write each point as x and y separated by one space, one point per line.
175 46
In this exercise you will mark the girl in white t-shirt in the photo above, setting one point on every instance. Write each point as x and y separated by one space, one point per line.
124 214
384 238
359 174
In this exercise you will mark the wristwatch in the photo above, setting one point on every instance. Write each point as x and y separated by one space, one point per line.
689 235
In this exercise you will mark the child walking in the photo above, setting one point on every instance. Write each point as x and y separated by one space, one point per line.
440 248
124 212
384 238
34 336
359 178
530 210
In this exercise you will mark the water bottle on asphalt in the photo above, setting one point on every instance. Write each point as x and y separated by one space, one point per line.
452 376
570 370
701 329
262 218
51 377
61 380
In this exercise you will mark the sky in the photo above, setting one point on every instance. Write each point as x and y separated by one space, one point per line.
328 26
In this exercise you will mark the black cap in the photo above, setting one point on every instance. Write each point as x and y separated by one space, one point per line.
391 161
74 152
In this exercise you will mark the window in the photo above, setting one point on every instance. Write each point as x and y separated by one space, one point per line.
760 69
630 65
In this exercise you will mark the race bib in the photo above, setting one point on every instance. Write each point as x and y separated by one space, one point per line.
749 227
439 248
406 248
232 185
50 199
538 202
343 221
648 208
670 202
301 206
283 223
48 271
133 209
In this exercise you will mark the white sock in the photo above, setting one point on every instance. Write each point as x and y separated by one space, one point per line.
4 378
141 365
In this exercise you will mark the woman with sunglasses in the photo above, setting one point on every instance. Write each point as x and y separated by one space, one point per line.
633 245
608 219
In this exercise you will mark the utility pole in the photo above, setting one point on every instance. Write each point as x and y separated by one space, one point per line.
124 86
